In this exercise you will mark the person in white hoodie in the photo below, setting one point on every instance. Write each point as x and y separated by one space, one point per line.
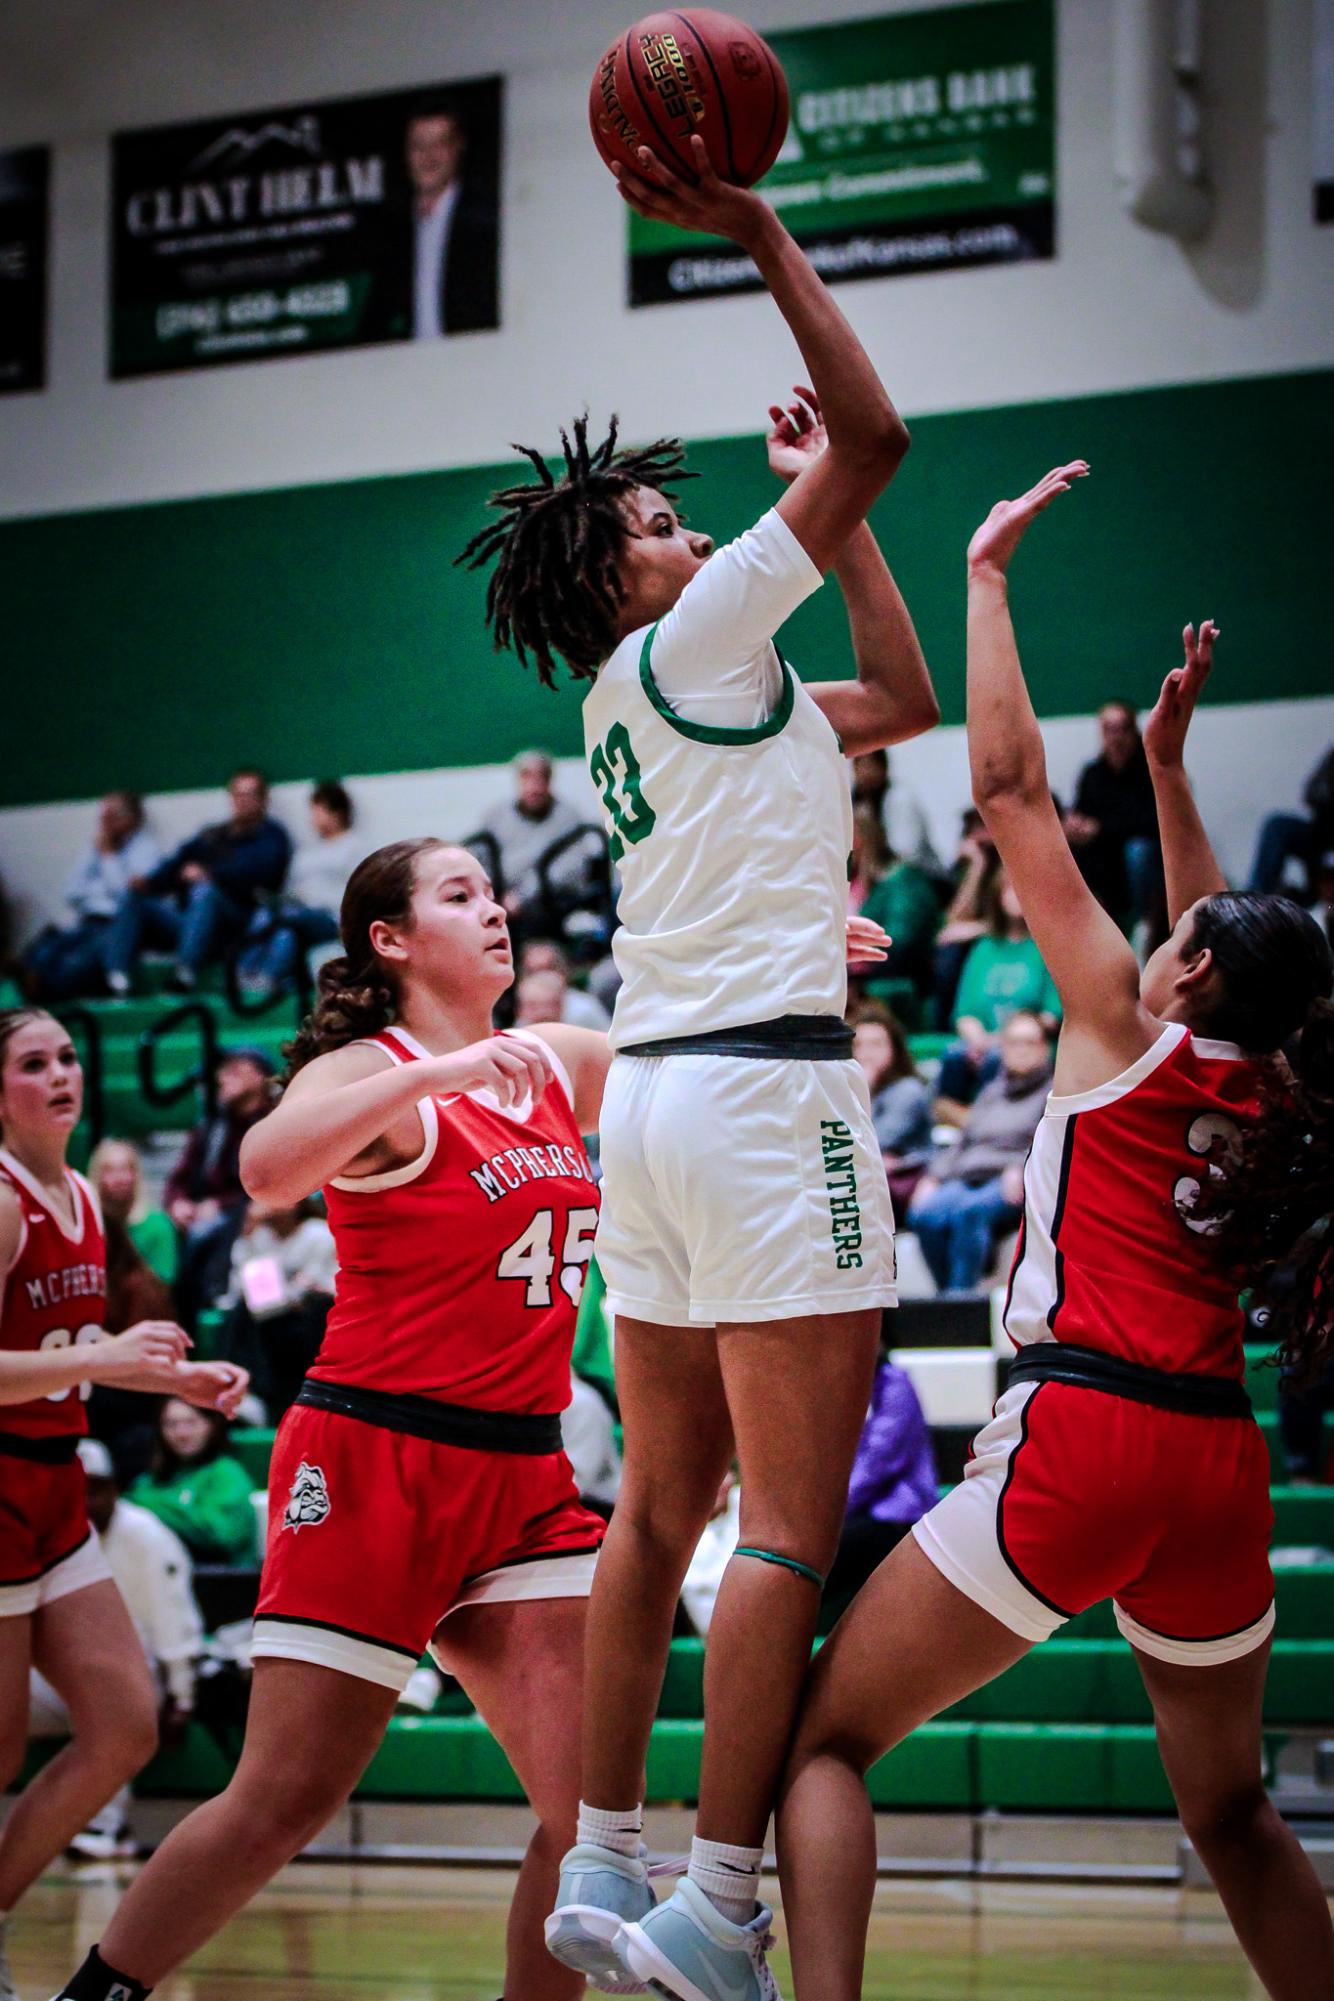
152 1570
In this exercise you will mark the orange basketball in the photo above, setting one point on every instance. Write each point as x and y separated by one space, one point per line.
685 71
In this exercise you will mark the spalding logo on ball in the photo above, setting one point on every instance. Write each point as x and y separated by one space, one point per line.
678 73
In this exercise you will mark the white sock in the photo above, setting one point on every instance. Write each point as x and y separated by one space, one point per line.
728 1876
621 1831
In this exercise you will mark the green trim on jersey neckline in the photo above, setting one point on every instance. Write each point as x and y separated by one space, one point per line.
706 732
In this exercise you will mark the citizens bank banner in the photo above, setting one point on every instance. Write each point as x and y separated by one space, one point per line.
918 142
340 224
24 181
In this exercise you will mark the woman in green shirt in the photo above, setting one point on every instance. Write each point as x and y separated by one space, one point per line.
1002 974
116 1172
197 1488
899 897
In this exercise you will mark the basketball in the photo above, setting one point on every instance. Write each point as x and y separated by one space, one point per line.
693 70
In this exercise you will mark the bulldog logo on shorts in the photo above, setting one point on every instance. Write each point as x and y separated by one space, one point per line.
308 1503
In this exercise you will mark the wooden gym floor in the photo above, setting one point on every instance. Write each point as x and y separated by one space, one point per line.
333 1932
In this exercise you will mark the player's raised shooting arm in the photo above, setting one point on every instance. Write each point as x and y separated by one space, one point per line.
1091 963
867 437
1190 865
892 698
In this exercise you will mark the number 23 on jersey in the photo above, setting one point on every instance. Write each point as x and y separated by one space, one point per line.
631 815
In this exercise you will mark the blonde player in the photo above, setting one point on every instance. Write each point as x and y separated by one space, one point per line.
746 1236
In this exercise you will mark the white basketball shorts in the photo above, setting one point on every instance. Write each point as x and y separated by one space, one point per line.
741 1189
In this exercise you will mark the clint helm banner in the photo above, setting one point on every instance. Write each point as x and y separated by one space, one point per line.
24 178
338 224
918 142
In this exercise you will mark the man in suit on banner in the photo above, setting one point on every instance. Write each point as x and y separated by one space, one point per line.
443 274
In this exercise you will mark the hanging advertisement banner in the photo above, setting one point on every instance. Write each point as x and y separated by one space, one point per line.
25 178
317 226
918 142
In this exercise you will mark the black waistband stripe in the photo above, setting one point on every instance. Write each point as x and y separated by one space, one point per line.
49 1451
533 1436
809 1038
1091 1369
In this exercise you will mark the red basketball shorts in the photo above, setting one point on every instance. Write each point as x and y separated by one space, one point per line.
375 1536
1074 1495
47 1549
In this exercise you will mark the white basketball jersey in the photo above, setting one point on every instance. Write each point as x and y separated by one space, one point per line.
731 839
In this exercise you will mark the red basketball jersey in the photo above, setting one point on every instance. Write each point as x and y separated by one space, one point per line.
459 1274
54 1294
1111 1254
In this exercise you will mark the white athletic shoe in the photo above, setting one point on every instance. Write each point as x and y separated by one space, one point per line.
687 1949
599 1890
97 1844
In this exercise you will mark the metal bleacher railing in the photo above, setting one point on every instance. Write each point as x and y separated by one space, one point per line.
201 1077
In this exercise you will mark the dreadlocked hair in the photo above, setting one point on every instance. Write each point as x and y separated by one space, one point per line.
357 994
1272 1201
555 588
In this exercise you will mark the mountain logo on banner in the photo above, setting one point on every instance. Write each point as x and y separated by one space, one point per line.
236 146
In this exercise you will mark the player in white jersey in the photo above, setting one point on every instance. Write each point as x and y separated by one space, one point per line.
747 1239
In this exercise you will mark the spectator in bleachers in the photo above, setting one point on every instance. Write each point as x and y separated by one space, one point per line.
588 1436
544 993
1003 971
901 815
152 1571
900 1101
138 1288
1302 1414
204 1196
200 899
306 914
116 1172
1286 837
197 1486
893 1484
283 1271
896 894
64 960
976 866
523 828
1113 827
973 1191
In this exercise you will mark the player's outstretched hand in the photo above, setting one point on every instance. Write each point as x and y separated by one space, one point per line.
798 436
712 206
211 1385
509 1066
868 944
1003 530
1165 730
145 1348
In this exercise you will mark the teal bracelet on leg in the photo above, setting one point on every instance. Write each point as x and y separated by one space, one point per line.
785 1563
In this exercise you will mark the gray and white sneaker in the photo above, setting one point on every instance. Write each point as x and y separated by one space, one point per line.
599 1890
687 1949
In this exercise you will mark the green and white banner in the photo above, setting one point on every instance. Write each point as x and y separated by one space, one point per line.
918 142
24 181
316 226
